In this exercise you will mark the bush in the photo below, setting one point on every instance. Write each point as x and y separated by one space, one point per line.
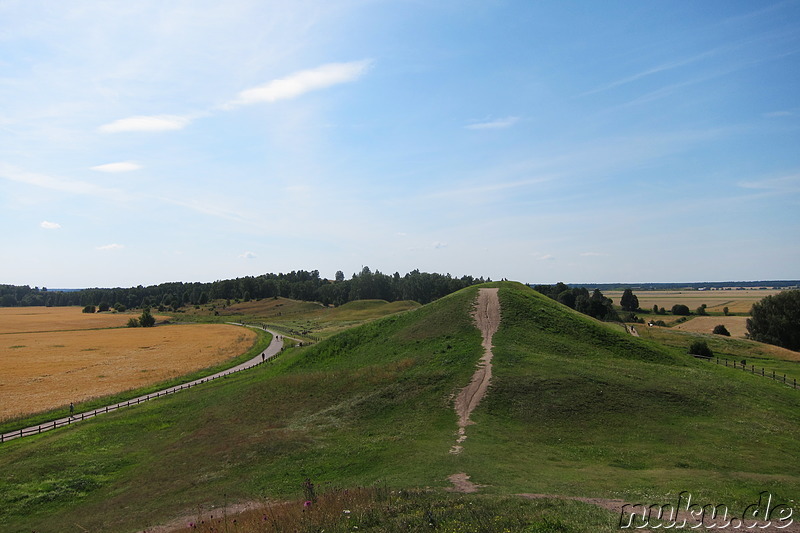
680 309
147 320
700 348
133 322
89 309
721 330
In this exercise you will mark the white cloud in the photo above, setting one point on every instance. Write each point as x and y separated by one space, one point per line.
113 246
592 254
547 257
123 166
783 184
302 82
498 124
248 255
439 245
147 123
50 225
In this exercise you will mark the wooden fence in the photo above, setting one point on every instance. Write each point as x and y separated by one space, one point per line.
752 369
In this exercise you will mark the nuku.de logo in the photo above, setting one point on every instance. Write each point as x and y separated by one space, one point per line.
687 515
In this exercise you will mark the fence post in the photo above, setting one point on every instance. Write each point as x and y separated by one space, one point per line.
762 370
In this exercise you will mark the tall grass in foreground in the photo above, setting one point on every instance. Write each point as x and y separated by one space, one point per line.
385 510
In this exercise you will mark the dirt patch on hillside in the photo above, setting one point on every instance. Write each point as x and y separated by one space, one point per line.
487 318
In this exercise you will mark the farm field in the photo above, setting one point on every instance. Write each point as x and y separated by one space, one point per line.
30 319
47 370
737 301
736 325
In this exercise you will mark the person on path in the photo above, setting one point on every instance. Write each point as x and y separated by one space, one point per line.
71 409
262 357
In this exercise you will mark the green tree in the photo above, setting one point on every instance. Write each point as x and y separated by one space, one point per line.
103 306
89 309
701 311
721 330
776 320
147 320
629 301
133 322
680 309
725 311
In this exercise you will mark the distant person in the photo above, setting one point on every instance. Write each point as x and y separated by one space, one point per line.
263 357
71 409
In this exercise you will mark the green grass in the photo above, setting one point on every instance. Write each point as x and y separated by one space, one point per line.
734 350
576 408
384 510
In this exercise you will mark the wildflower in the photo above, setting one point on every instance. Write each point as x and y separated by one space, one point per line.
307 504
346 511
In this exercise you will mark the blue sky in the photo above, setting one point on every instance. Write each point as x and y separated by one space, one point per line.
151 141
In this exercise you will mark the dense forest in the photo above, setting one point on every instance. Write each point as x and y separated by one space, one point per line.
419 286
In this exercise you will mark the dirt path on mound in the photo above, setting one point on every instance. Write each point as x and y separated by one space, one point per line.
487 319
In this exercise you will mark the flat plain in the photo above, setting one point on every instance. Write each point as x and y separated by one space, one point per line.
50 369
736 300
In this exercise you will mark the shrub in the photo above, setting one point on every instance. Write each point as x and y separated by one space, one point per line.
700 348
89 309
721 330
147 320
133 322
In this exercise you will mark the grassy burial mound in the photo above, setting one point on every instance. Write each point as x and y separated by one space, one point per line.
575 408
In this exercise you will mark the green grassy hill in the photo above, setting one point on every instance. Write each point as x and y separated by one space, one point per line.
576 407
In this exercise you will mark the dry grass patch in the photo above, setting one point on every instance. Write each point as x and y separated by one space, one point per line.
736 325
42 371
30 319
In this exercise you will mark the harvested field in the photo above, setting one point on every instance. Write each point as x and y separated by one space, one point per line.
42 371
736 325
30 319
737 301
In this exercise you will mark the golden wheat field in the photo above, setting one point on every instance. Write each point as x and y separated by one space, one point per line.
736 325
41 371
737 301
29 319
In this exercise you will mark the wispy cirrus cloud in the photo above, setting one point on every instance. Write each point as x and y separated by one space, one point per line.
782 184
301 82
111 247
50 225
122 166
57 183
498 124
147 123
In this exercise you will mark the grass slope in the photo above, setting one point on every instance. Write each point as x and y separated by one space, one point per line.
576 407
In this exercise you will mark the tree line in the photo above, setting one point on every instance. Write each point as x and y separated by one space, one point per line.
580 299
422 287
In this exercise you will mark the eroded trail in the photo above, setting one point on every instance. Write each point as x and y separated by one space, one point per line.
487 318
